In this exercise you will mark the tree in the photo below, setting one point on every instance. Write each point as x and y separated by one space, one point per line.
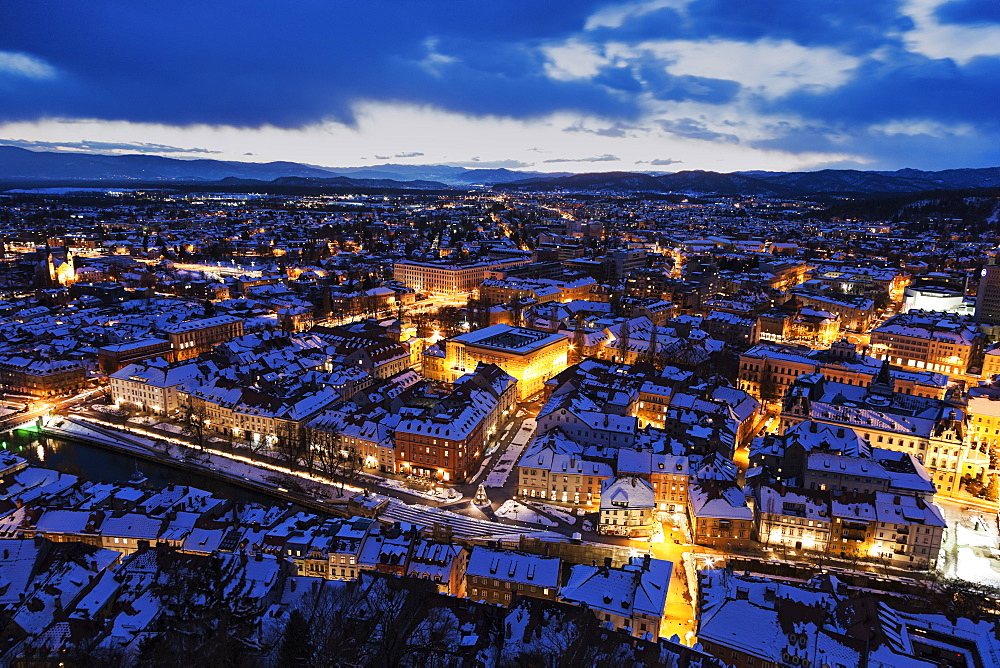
882 301
288 441
204 620
350 464
990 492
194 417
296 644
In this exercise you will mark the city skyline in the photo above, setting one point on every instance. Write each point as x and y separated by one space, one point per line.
661 85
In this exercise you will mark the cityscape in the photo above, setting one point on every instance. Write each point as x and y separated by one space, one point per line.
311 356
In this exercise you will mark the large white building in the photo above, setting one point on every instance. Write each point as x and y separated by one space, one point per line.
152 385
446 278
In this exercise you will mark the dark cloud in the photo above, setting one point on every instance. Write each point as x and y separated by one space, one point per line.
879 149
411 154
607 157
850 25
665 86
692 129
665 161
292 65
904 86
103 146
184 63
970 11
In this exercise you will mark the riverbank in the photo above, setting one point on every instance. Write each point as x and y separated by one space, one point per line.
309 491
322 496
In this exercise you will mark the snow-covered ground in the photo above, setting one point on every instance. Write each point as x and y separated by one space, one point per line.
555 511
969 550
508 460
109 410
142 419
249 469
442 495
512 510
461 525
498 476
172 428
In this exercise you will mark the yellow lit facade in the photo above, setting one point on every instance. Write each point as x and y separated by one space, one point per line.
530 356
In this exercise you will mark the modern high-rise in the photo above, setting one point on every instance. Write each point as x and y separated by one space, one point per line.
988 297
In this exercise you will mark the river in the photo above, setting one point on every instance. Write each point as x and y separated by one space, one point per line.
97 464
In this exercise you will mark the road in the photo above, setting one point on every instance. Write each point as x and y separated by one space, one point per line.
40 407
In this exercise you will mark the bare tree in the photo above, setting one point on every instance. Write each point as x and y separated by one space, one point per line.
288 441
351 465
194 415
256 446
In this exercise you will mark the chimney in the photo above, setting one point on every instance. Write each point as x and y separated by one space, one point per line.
607 562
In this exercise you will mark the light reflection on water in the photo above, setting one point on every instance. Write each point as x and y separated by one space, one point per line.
97 464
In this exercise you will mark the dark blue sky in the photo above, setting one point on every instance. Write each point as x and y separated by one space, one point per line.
714 84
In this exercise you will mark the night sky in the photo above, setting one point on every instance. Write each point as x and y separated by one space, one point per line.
661 85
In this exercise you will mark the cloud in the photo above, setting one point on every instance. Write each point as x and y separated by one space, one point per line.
607 157
103 147
845 80
616 130
692 129
412 154
275 65
665 161
476 163
614 16
24 65
961 42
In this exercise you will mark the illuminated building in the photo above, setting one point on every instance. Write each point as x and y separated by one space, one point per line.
654 399
627 506
530 356
855 312
770 370
669 477
447 441
194 337
113 357
30 373
988 295
927 340
446 278
934 431
152 386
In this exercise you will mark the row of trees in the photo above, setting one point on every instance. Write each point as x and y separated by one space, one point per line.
291 444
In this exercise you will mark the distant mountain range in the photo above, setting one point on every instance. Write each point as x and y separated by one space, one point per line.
771 184
18 165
